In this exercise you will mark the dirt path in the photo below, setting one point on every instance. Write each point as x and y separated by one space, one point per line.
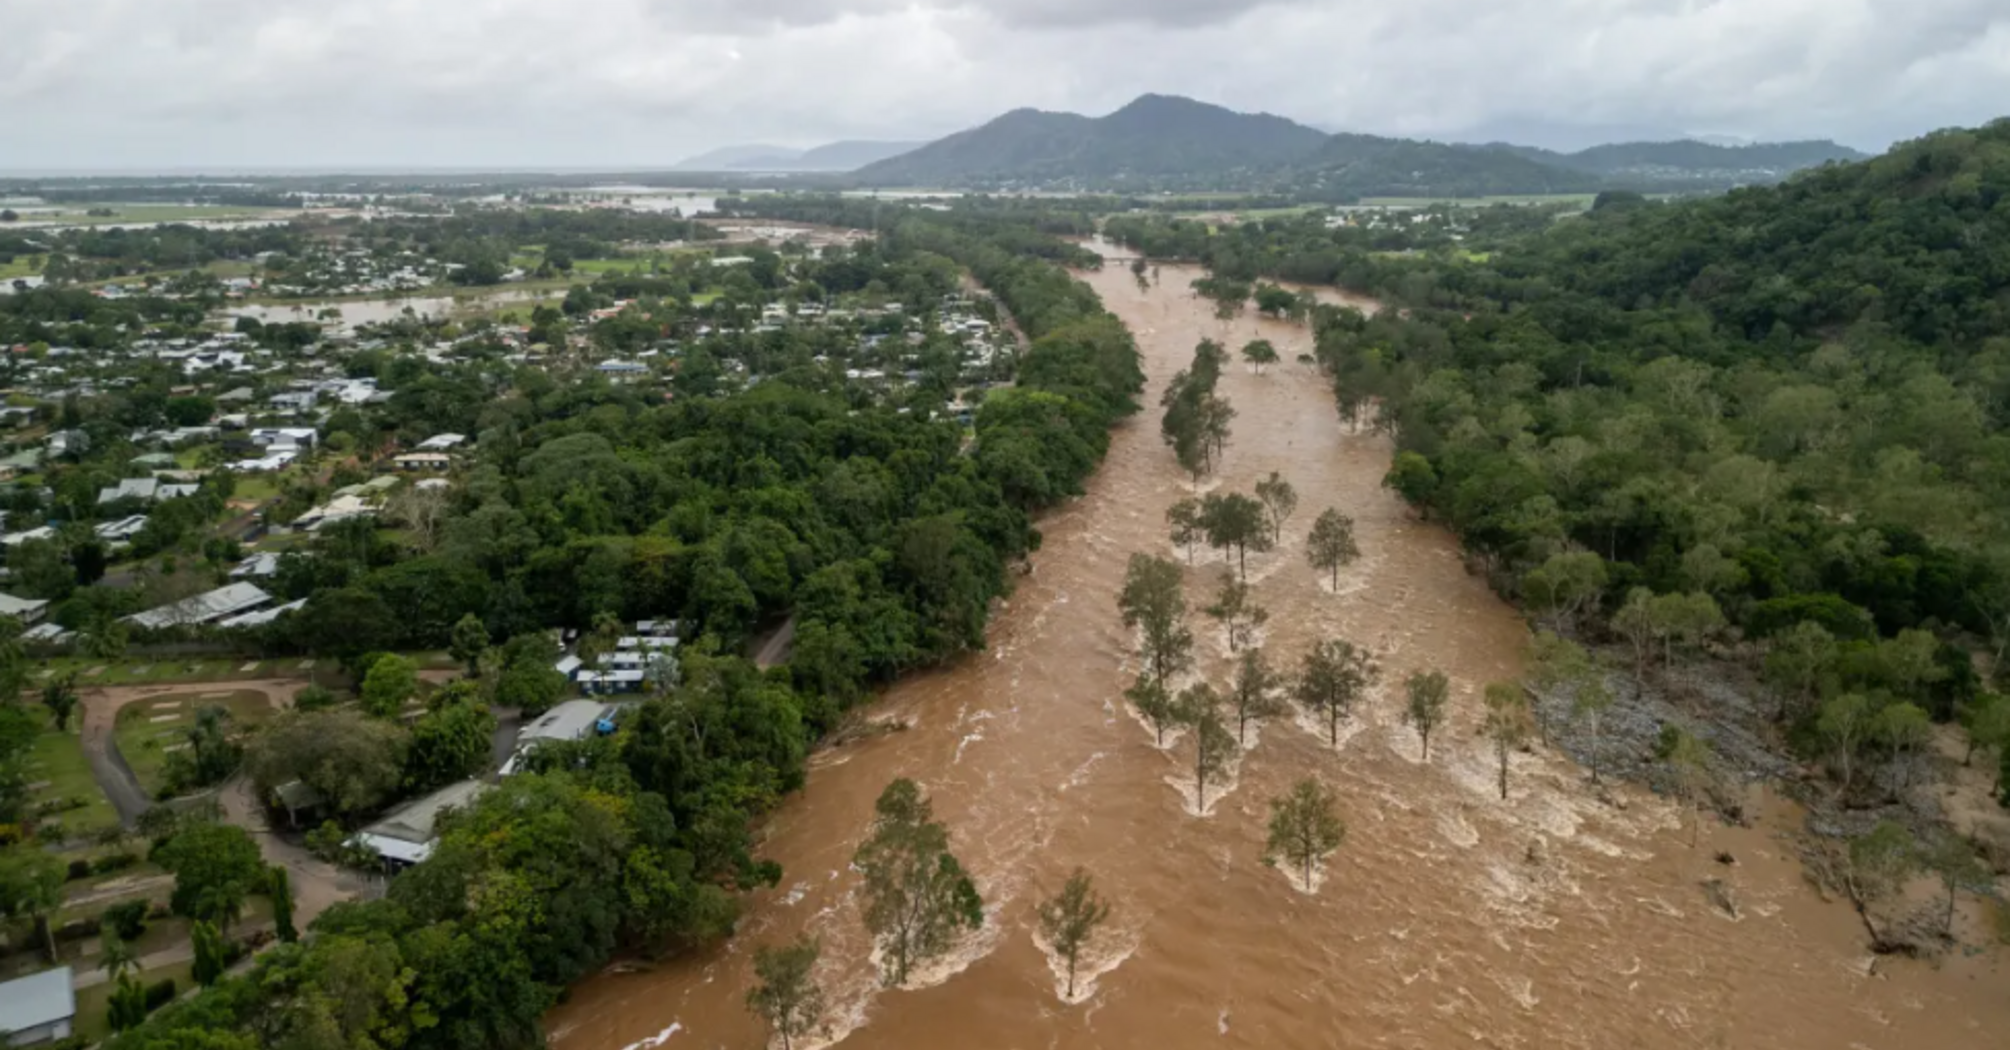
101 708
317 884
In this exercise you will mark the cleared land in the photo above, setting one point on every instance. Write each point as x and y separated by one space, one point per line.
150 731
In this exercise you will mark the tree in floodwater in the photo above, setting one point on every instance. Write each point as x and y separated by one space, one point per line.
1877 865
1238 613
787 995
1156 703
1069 920
1331 546
1254 692
1152 602
1214 746
1334 676
1555 664
1235 522
1507 723
1429 692
1259 352
1304 828
1183 518
1688 758
917 896
1280 500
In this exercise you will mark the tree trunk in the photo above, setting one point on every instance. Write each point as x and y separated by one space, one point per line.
1427 746
1504 774
1947 923
1594 747
1333 727
1308 872
1071 976
1336 577
48 936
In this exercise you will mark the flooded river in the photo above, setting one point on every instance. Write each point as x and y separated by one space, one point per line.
1449 918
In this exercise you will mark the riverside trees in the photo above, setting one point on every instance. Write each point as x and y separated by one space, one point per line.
1304 829
1069 921
786 994
1331 545
1334 676
917 895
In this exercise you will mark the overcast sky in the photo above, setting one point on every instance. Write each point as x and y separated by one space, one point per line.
216 84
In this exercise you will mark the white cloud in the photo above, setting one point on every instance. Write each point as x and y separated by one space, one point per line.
318 83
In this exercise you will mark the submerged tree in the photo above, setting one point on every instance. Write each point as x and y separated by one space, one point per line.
786 994
1183 518
1592 699
917 895
1152 602
1304 828
1688 759
1214 748
1254 692
1280 500
1157 704
1259 353
1507 723
1238 612
1235 522
1335 675
1069 920
1429 692
1331 547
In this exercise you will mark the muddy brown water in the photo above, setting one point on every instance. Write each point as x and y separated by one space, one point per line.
1448 919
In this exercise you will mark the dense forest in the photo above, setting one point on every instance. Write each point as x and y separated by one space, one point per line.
885 533
1793 400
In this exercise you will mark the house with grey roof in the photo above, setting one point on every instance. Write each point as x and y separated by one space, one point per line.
37 1009
208 607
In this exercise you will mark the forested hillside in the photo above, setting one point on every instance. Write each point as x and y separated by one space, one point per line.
1792 399
1659 161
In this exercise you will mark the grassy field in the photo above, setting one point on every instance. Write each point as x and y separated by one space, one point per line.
147 732
94 1020
151 213
23 266
58 762
143 671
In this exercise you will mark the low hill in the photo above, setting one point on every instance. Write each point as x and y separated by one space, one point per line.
850 155
1154 137
1689 159
1349 166
730 158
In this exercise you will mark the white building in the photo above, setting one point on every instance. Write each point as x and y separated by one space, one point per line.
408 834
204 608
38 1009
571 720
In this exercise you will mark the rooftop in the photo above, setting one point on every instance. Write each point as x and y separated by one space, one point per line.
202 608
36 1000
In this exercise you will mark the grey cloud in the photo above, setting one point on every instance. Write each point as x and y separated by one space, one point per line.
138 83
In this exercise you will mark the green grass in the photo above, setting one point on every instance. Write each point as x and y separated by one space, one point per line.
151 213
257 487
156 672
23 266
144 741
94 1020
59 759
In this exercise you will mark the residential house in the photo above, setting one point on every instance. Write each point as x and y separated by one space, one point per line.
341 508
208 607
120 531
424 461
571 720
406 836
26 610
258 566
442 442
38 1009
146 490
278 438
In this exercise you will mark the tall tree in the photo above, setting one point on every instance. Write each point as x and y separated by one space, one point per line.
1183 518
279 886
1254 692
1903 729
786 994
1799 661
1564 583
1214 746
60 697
1592 699
1280 500
917 895
469 641
1157 704
210 955
393 680
1069 921
1153 602
1334 676
1556 664
31 887
1235 522
1687 757
1507 724
1304 828
215 867
1238 613
1331 547
1637 622
1429 692
1844 724
1259 352
1952 859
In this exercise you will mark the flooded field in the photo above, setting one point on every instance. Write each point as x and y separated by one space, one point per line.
1449 918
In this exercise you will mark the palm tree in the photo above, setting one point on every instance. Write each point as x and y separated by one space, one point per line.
116 956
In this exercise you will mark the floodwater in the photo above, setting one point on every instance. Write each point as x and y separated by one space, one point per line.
358 312
1449 918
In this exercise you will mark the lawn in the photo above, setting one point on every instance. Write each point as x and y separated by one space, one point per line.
256 486
57 762
23 266
153 213
143 671
148 732
93 1010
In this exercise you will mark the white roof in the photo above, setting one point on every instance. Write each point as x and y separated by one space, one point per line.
45 632
203 608
263 563
12 606
261 617
407 832
441 442
36 1000
571 720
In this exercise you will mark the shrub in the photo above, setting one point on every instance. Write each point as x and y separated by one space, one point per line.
114 862
160 993
128 919
79 869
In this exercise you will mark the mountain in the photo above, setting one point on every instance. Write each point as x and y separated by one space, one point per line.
1348 166
1689 159
851 155
1154 137
834 156
729 158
